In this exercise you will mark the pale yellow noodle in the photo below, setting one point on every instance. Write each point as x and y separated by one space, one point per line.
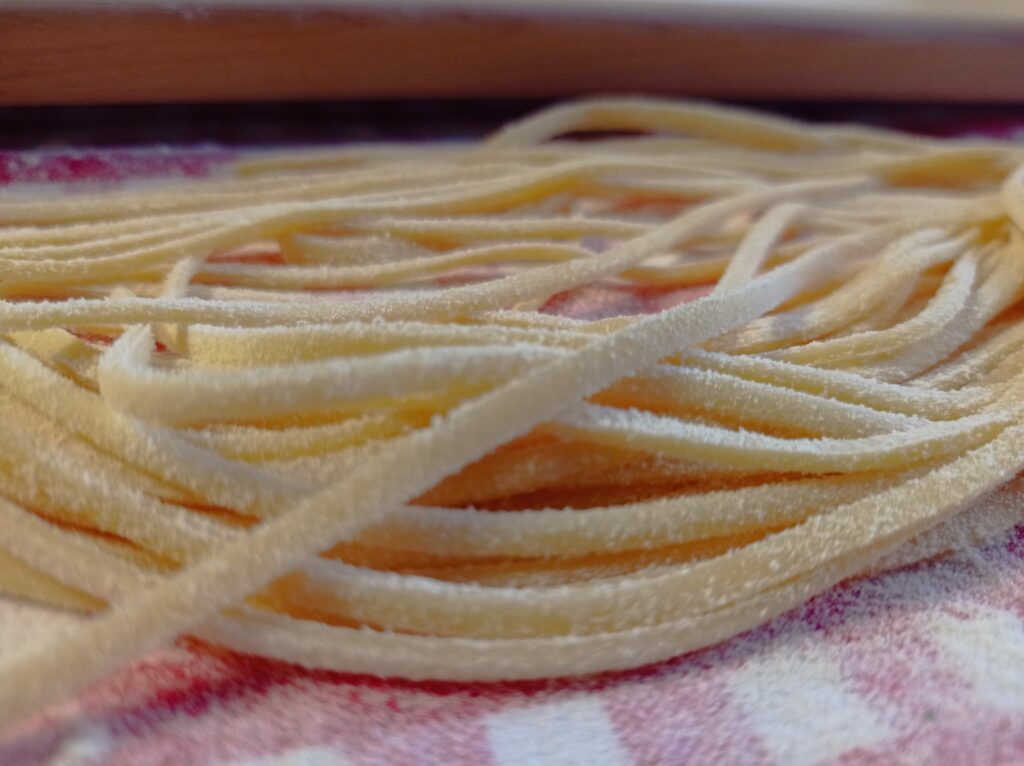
324 407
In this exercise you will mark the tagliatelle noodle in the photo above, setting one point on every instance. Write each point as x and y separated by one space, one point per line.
347 408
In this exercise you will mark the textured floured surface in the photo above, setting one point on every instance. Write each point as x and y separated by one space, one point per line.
910 667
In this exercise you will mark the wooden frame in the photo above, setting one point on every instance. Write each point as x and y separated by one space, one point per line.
89 53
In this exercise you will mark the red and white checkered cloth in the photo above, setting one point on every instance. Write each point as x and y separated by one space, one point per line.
924 665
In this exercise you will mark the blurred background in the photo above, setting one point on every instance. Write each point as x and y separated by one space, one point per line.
280 71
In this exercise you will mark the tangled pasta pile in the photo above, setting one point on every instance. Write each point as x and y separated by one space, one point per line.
323 410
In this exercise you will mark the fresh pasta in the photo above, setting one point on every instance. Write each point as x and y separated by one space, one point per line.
361 409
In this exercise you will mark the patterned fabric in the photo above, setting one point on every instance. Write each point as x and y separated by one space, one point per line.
923 665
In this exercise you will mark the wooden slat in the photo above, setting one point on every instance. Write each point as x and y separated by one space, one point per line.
142 54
